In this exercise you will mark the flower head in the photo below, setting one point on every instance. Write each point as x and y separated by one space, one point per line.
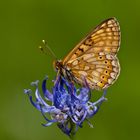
69 107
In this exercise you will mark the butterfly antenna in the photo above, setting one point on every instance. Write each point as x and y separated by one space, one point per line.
46 49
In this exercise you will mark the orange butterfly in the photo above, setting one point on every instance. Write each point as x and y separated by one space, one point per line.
94 58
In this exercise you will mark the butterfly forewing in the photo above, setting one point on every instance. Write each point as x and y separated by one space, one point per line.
94 58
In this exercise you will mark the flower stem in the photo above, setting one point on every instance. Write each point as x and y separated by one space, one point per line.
73 130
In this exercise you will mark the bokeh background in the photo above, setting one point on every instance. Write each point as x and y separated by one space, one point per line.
63 23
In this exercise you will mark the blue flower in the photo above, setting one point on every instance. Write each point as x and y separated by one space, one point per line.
67 106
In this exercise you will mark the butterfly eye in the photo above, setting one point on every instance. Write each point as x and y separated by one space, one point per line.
54 64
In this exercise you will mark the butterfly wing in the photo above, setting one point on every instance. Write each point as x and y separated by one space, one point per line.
94 58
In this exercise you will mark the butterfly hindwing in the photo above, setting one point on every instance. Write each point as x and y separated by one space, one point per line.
100 71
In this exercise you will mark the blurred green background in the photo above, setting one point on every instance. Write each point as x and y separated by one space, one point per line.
63 23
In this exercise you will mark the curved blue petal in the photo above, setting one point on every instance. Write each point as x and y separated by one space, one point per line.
46 92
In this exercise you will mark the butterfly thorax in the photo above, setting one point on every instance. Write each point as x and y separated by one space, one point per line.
63 70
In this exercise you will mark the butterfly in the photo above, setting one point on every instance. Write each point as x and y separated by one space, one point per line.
94 58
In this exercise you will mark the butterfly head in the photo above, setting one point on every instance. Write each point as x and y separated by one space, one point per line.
57 64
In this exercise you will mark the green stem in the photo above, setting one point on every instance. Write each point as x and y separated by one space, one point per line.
73 127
